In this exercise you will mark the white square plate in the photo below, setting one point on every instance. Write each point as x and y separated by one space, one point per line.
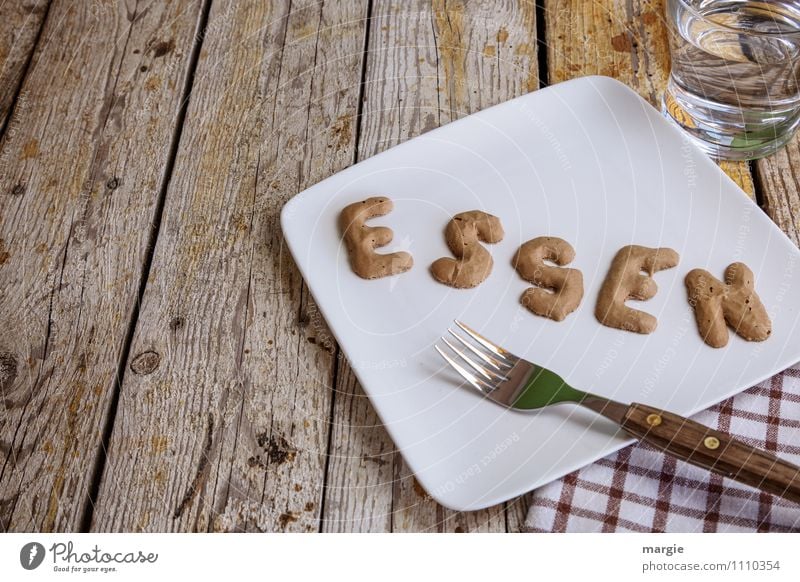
588 161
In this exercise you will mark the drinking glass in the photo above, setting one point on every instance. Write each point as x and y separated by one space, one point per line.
734 79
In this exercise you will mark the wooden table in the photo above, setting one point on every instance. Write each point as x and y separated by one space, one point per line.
162 365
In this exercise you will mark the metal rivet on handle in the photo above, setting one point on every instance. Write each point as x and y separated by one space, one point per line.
711 442
653 419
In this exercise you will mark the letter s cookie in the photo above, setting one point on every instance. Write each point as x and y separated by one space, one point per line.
362 240
473 263
566 284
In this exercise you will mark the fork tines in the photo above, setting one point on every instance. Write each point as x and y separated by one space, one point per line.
489 360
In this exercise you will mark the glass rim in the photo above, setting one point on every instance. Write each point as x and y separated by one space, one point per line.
704 18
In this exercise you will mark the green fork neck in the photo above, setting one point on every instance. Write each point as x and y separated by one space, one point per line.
544 388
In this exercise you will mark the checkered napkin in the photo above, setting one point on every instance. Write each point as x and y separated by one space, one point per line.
641 489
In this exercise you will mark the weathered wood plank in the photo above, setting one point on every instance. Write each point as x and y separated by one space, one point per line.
778 177
740 173
428 64
358 489
517 513
20 23
624 39
79 188
224 410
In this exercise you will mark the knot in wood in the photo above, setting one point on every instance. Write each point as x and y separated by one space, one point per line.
8 369
145 363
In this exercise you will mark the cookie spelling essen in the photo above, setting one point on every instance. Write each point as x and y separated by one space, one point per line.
558 290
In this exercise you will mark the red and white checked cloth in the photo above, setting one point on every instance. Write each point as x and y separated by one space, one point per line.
641 489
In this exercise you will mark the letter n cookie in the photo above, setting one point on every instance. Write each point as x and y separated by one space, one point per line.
734 303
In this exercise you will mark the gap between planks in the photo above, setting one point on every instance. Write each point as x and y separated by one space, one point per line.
9 106
337 352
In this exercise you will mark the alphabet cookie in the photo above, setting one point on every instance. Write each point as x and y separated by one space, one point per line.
473 263
362 240
626 281
733 302
565 285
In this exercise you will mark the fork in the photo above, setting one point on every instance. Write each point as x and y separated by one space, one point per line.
516 383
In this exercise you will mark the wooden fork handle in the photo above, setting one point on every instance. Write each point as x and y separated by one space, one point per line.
713 450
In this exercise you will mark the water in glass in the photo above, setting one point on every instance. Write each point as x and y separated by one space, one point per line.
735 73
